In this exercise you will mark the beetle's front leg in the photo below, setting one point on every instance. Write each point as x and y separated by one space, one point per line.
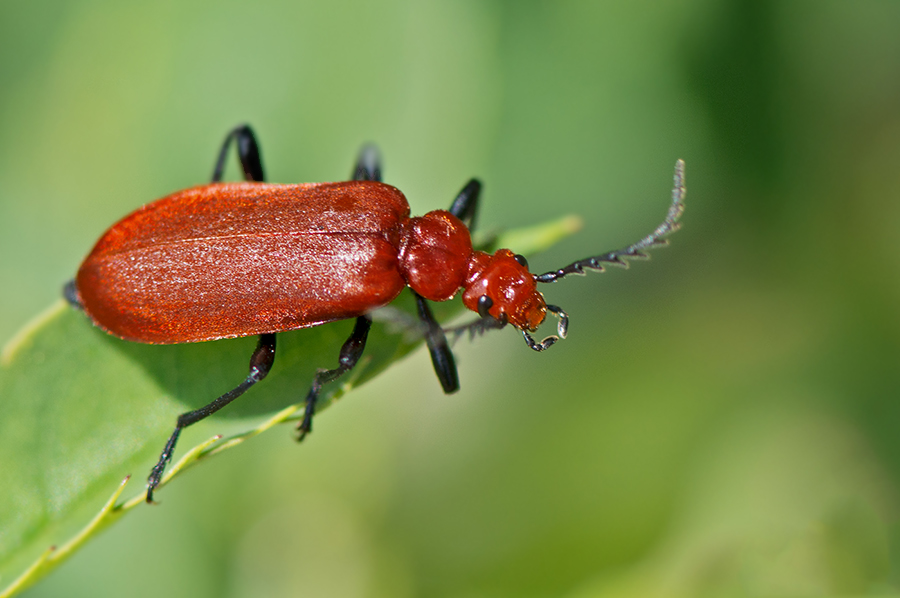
465 206
441 356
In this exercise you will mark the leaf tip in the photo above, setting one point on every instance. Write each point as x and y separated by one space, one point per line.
571 223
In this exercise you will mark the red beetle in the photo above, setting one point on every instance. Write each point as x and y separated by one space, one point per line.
238 259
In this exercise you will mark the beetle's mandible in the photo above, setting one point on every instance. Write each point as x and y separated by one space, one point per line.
238 259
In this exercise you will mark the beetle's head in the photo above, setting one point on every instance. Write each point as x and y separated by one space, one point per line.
500 286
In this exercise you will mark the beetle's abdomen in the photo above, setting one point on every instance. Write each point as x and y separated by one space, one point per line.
241 259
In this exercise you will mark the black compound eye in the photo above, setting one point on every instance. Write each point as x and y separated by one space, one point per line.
484 304
522 261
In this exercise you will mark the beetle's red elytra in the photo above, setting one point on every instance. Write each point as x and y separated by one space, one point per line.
238 259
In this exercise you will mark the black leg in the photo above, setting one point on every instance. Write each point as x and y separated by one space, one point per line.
441 356
248 153
70 293
368 165
465 205
562 328
350 354
260 364
477 327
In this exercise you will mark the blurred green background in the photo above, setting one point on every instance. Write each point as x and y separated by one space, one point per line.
722 421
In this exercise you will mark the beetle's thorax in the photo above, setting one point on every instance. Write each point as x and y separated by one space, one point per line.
436 260
434 253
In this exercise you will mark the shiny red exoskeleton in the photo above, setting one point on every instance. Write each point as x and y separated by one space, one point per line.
238 259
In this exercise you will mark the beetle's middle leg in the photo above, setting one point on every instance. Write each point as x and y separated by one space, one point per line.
248 154
368 164
350 354
368 168
260 363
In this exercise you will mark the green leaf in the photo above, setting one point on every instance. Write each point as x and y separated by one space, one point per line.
80 409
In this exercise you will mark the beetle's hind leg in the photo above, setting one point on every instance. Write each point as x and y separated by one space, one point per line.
260 363
248 154
350 354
